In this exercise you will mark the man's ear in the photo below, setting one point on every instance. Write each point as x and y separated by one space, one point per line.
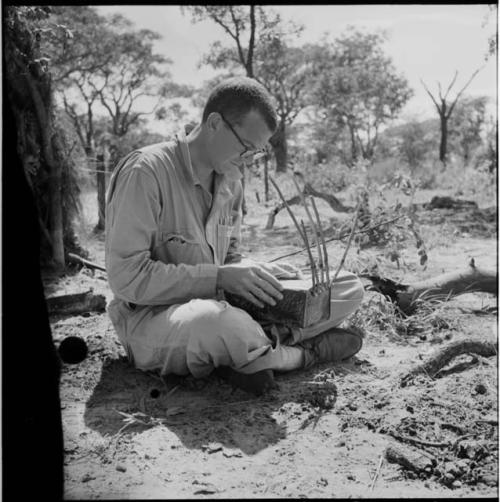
214 122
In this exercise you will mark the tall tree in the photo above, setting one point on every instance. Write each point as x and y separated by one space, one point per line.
445 109
240 24
41 142
357 88
262 49
467 125
285 71
106 64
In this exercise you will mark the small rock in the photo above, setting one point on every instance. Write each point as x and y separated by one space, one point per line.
229 453
351 477
207 489
449 478
121 468
87 477
340 443
353 406
456 484
480 388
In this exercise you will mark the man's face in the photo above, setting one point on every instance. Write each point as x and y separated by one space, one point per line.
234 144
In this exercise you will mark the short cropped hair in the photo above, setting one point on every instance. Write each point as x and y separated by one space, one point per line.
237 96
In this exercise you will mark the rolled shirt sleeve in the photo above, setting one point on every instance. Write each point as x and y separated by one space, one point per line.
133 213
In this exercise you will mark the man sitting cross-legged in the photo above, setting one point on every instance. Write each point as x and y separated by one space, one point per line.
172 233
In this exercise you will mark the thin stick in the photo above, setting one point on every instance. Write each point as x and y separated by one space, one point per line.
322 236
340 237
313 226
341 264
420 441
380 462
311 259
288 209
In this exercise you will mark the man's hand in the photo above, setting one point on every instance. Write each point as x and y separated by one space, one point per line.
251 282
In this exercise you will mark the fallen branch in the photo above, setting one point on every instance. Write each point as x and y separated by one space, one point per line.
409 458
75 304
74 258
444 286
443 356
421 442
333 202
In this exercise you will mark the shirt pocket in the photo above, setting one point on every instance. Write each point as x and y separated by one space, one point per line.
224 233
179 247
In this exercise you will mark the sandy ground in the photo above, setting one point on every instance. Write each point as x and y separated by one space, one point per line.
323 433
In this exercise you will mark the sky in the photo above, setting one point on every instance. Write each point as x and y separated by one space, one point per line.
428 42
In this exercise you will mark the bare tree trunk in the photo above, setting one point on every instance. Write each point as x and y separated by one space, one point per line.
444 139
44 114
101 192
266 179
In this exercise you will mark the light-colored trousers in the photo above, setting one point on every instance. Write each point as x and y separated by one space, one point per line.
200 335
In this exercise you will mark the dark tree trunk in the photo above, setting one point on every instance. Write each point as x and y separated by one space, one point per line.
444 139
266 179
278 142
101 192
102 170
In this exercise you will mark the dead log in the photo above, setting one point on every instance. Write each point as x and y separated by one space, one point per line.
446 202
75 304
444 286
443 356
334 203
410 458
74 258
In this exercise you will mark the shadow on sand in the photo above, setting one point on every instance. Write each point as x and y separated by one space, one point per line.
207 411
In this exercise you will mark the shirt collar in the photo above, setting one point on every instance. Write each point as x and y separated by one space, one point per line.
231 174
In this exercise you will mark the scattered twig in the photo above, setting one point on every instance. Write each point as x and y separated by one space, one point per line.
380 462
419 441
355 221
82 261
340 237
489 422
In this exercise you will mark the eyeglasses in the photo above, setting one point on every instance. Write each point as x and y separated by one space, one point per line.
248 153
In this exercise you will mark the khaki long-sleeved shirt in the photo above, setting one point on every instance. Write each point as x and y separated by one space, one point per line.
165 236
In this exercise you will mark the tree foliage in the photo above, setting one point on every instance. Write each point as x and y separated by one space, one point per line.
102 62
261 46
467 125
357 88
44 145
